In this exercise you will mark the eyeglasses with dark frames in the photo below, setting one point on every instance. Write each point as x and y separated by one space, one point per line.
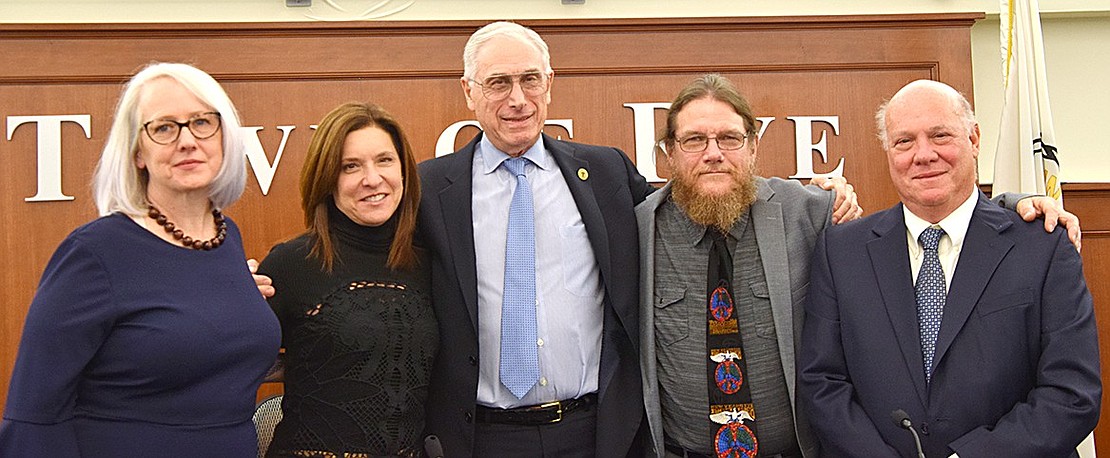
498 87
166 131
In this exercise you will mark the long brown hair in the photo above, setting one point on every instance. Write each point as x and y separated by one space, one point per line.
713 86
320 176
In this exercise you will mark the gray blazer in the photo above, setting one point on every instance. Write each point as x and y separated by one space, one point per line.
779 204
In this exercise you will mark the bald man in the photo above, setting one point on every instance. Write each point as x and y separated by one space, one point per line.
974 324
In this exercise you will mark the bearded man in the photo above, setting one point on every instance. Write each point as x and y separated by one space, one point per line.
718 243
714 245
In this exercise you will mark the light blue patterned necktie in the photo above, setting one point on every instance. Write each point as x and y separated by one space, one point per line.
519 368
931 295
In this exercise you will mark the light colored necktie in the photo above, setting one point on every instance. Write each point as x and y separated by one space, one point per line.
519 368
930 296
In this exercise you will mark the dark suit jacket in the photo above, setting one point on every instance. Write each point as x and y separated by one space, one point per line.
605 199
1016 365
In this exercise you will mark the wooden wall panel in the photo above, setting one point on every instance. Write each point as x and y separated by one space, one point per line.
290 74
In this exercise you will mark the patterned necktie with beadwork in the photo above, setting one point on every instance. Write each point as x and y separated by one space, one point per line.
730 398
519 366
931 294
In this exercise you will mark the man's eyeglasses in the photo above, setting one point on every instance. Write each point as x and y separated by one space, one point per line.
166 131
498 87
725 142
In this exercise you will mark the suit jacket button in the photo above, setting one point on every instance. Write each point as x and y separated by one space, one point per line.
925 428
473 360
469 417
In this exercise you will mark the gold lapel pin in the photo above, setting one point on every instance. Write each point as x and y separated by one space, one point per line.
583 174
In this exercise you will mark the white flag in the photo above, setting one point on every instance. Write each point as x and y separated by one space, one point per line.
1026 159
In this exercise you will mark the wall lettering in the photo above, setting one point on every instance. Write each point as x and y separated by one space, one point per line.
256 156
803 148
49 151
445 144
49 145
644 131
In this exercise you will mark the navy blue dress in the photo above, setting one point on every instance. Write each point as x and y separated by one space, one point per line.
137 347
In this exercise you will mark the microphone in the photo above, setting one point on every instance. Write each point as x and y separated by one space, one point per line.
902 420
432 447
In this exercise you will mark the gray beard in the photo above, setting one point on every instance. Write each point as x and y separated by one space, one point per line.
718 211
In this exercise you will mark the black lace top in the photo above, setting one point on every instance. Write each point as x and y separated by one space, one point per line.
359 344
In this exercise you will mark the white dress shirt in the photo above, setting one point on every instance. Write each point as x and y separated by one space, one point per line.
955 229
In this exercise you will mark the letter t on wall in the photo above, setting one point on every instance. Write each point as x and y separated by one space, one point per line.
49 151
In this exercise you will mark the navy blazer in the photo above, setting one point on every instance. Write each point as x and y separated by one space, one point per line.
605 199
1016 369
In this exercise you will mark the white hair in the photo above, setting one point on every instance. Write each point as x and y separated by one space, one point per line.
118 183
960 105
502 29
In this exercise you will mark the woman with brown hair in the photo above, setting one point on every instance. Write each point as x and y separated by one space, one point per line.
352 296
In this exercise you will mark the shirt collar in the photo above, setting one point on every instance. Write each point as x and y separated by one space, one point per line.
491 157
954 225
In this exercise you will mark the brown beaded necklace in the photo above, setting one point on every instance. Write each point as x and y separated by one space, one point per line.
178 234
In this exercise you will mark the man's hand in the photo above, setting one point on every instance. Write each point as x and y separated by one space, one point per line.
847 207
264 283
1031 207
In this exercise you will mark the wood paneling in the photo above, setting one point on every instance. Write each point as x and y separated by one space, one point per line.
290 74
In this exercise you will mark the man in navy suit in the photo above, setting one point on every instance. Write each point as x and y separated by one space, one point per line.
587 399
983 332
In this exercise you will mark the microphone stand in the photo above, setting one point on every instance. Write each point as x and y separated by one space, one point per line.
902 420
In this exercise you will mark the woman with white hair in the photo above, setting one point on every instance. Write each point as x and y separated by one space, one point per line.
147 335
